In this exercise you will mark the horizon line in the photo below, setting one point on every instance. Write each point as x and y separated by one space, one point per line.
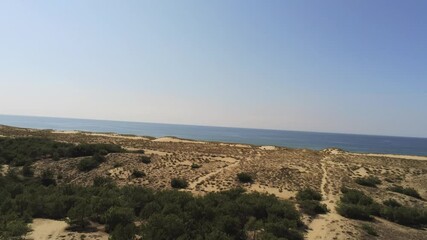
214 126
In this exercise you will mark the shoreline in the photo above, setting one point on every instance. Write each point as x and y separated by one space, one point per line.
174 139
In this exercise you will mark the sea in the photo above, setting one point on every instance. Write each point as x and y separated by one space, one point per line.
291 139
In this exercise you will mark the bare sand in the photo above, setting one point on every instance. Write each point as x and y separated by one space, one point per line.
268 148
176 140
47 229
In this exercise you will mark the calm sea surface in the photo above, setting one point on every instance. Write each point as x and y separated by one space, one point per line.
294 139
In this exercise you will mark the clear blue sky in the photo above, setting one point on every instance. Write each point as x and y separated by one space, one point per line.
331 66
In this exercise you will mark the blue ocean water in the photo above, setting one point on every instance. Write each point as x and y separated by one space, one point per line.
293 139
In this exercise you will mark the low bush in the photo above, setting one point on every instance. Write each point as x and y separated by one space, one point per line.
87 164
313 207
102 181
47 178
245 177
369 229
406 191
179 183
368 181
27 171
138 174
195 166
392 203
355 204
145 159
308 194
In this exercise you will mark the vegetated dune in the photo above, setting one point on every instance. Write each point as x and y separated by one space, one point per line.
210 167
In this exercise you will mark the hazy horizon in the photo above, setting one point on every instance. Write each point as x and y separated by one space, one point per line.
196 125
330 66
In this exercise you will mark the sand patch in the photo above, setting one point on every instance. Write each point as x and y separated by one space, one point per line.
4 169
269 148
176 140
154 152
46 229
110 135
361 172
280 193
421 158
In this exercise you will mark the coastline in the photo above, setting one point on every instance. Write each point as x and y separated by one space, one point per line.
174 139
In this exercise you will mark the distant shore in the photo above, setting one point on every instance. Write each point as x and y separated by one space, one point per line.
174 139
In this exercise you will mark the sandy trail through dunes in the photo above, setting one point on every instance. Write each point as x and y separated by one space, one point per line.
193 185
325 226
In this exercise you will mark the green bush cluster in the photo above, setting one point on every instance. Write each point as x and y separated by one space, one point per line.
357 205
145 159
309 202
138 174
163 214
368 181
179 183
245 177
25 150
87 164
406 191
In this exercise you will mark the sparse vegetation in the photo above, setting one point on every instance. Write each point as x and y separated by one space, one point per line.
406 191
179 183
245 177
368 181
369 229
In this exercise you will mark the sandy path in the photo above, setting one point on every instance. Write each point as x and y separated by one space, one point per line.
325 226
192 185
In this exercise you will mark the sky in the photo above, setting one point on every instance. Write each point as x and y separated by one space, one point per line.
325 66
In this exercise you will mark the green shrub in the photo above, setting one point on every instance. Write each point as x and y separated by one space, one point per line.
179 183
369 229
313 207
79 215
245 177
138 174
98 158
392 203
308 194
368 181
47 178
123 232
145 159
354 211
406 191
195 166
102 181
27 171
353 196
118 216
87 164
